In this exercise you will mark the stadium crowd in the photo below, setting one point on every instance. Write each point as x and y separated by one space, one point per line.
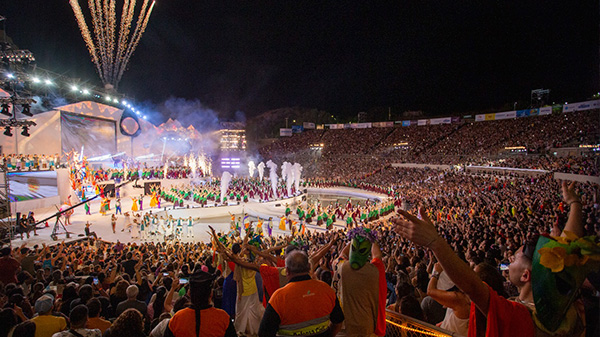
355 152
157 289
451 232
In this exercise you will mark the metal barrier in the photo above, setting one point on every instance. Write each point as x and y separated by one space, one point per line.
403 326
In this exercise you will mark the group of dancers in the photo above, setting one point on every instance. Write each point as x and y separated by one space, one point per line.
150 227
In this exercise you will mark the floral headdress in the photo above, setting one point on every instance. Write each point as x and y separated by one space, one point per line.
362 232
560 265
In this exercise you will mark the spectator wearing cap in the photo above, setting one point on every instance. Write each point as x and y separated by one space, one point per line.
304 307
201 319
94 320
79 319
132 302
9 266
45 323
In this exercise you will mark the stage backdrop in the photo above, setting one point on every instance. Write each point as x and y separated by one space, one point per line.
97 136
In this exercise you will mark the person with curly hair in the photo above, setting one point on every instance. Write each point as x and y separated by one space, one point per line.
130 323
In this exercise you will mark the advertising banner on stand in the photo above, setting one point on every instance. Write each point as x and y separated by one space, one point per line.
383 124
506 115
297 129
283 132
547 110
335 126
360 125
581 106
527 112
444 120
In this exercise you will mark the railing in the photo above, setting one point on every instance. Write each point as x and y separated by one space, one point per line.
403 326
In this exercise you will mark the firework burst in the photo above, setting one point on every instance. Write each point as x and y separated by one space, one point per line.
111 53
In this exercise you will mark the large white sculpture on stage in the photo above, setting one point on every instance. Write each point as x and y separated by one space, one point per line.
286 174
251 168
225 180
261 170
273 176
297 172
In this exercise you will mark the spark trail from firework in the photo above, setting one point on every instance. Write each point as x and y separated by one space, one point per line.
111 54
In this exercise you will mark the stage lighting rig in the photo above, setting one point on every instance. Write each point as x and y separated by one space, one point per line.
27 110
25 104
9 124
5 109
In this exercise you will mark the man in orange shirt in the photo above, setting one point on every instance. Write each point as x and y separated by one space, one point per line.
304 307
94 320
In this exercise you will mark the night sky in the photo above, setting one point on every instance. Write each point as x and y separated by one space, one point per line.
441 57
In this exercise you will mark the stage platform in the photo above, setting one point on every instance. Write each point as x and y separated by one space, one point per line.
220 215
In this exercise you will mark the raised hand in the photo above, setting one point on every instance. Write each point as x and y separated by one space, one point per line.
568 192
420 231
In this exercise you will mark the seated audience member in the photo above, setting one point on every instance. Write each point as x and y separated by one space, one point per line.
78 319
132 302
130 323
94 319
201 319
47 324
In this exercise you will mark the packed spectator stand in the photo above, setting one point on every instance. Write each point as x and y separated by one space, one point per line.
155 289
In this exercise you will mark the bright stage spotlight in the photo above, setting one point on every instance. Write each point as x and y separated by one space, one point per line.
47 82
7 131
25 132
5 110
74 88
35 80
108 99
124 102
145 117
86 92
115 100
9 75
27 110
